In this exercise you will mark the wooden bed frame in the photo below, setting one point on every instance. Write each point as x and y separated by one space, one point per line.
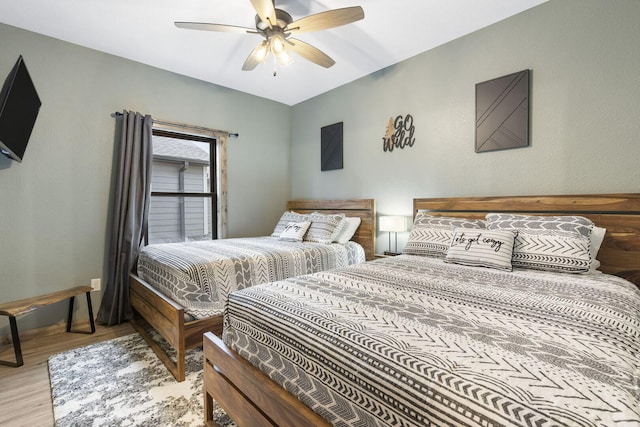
154 310
253 399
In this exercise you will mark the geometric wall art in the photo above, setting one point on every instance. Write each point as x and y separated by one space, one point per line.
331 147
502 112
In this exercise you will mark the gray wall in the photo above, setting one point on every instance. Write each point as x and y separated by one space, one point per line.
584 138
585 105
54 206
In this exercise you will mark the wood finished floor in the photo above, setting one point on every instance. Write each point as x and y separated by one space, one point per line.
25 392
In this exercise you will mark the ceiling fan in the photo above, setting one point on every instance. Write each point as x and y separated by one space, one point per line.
277 26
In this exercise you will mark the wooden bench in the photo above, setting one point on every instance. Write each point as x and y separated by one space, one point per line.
17 308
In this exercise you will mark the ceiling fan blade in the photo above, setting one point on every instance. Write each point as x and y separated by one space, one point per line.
265 10
310 53
215 27
257 56
329 19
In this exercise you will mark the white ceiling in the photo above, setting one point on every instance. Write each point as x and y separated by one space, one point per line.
143 31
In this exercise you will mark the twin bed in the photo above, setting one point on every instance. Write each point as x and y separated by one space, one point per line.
180 289
443 335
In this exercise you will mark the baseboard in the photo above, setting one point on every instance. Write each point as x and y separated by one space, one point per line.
57 328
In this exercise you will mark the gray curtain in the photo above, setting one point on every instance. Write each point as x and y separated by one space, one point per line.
132 193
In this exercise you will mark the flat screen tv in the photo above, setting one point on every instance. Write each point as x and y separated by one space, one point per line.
19 106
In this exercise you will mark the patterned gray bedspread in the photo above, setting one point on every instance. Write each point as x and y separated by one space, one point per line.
413 341
200 275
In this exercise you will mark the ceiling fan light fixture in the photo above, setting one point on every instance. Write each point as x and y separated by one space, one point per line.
284 58
277 44
262 52
280 50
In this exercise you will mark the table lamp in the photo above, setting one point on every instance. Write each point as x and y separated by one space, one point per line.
393 224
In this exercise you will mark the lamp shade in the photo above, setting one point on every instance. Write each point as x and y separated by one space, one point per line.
393 223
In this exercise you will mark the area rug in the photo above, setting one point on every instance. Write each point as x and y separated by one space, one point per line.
121 382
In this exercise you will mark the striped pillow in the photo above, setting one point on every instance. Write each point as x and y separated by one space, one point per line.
482 248
431 235
567 225
285 219
347 232
553 243
324 227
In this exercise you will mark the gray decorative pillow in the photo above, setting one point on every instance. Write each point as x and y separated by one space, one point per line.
285 219
566 225
553 243
431 235
295 231
482 248
324 227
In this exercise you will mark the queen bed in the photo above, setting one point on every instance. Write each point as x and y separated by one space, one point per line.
180 289
422 338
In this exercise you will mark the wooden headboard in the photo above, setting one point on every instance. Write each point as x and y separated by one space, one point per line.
618 213
363 208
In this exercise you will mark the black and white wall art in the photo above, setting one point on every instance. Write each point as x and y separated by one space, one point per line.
331 147
502 112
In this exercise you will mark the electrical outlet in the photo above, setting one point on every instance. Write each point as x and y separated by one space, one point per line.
95 284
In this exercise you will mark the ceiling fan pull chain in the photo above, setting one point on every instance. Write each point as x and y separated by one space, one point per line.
275 66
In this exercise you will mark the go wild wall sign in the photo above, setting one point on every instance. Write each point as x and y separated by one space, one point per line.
399 133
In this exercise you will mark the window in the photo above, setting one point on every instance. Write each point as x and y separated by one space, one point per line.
183 203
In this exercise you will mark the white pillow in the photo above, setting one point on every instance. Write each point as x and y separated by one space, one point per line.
481 248
347 232
294 231
597 236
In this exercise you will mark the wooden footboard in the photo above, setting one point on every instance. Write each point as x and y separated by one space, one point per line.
244 391
167 318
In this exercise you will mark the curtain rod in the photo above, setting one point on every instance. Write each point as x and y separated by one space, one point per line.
184 126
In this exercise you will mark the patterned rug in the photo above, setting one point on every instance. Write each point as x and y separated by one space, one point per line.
121 382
